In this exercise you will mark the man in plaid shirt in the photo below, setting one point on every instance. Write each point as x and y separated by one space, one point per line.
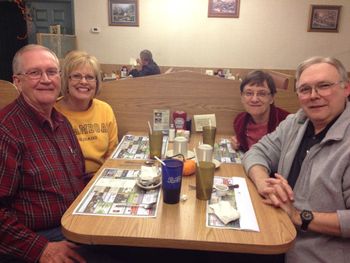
41 164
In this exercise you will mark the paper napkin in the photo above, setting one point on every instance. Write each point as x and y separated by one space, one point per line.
225 211
148 173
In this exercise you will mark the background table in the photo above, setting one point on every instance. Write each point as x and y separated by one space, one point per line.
183 225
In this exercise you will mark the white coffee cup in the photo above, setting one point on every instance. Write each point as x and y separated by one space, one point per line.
221 189
204 153
180 145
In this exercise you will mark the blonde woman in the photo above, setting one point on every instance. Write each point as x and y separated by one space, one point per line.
93 120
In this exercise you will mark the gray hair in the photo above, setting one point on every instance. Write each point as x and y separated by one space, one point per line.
317 60
17 59
146 55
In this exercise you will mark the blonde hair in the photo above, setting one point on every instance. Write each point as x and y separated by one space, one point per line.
75 59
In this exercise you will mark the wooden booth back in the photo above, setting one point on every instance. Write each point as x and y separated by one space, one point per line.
8 93
134 99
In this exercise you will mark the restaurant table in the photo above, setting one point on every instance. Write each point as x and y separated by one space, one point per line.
182 225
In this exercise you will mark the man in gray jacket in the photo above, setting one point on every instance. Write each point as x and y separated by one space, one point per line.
308 156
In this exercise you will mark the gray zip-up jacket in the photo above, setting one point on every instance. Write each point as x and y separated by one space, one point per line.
323 184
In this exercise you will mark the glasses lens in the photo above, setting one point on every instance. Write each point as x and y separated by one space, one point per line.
34 74
52 73
76 77
90 78
304 90
262 94
248 93
79 77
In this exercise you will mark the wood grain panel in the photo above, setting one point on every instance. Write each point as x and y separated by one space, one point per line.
8 93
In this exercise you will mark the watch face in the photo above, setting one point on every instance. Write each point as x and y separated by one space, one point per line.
306 218
307 215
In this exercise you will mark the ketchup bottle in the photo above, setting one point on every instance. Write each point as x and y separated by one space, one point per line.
179 118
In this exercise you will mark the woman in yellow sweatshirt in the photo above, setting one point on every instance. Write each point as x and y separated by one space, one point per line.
93 120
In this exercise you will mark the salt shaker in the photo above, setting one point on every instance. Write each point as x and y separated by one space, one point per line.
171 133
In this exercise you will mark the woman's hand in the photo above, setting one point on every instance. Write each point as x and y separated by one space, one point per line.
235 143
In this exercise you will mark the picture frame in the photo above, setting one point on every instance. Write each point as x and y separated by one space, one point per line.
324 18
223 8
123 12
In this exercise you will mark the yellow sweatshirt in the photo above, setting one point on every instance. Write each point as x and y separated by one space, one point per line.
96 130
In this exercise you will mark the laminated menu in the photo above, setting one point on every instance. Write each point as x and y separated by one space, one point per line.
237 200
117 192
224 153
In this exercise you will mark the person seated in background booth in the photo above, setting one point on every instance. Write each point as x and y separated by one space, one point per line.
93 120
148 66
262 116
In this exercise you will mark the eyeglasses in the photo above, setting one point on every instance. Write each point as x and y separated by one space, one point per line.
79 77
37 74
260 94
321 88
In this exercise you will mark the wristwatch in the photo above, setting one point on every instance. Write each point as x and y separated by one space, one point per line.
306 218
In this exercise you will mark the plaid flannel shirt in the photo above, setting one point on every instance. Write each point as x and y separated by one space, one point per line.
41 173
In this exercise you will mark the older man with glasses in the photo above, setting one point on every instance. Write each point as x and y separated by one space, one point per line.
41 164
309 156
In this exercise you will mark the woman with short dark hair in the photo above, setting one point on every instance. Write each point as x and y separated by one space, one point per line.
261 117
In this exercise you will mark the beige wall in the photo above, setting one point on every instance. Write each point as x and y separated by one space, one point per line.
267 34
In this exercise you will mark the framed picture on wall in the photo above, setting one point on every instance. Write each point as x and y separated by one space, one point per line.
223 8
123 12
324 18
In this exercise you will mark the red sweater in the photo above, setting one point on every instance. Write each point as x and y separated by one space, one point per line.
240 124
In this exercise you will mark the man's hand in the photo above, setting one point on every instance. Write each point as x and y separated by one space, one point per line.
281 195
259 174
63 251
235 143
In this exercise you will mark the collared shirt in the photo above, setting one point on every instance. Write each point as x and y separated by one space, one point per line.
310 139
41 173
